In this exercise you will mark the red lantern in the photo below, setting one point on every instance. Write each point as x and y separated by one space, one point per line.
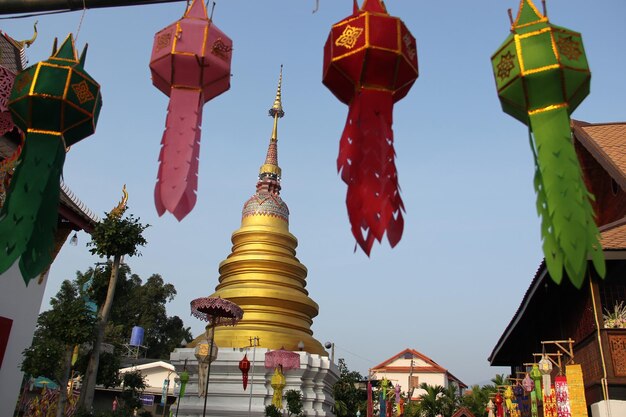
370 62
244 367
191 64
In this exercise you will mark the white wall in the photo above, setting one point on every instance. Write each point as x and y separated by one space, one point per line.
609 408
21 304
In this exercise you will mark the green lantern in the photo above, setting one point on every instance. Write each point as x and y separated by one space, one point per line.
542 75
56 103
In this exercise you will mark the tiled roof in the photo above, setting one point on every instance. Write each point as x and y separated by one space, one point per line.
606 143
613 236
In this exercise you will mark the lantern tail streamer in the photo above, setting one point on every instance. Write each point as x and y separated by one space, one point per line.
177 180
568 226
29 215
366 163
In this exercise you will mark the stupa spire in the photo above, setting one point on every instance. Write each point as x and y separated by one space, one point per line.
270 167
262 274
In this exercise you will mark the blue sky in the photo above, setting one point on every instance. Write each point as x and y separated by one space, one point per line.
471 242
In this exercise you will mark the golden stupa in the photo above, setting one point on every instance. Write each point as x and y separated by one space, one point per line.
262 274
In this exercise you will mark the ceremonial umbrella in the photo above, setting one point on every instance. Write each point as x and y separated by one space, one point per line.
215 311
280 360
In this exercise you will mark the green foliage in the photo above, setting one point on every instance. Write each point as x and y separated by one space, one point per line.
138 304
431 402
294 402
133 385
476 399
348 397
68 323
272 411
117 236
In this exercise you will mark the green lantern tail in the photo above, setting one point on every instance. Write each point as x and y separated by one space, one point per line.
28 219
568 227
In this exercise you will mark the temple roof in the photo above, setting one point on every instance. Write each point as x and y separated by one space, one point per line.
605 141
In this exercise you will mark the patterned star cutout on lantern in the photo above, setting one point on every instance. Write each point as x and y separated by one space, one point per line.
569 47
505 65
349 37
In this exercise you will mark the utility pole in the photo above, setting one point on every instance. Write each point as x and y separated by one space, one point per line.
35 6
254 342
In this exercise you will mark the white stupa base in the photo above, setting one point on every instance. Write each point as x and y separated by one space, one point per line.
227 398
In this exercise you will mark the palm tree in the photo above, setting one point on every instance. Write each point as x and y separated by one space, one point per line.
431 402
450 399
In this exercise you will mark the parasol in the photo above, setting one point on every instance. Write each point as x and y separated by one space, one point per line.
280 360
215 311
285 359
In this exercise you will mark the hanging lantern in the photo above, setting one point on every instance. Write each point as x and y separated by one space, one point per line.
545 367
191 64
535 375
370 62
57 104
278 383
244 367
498 400
528 383
542 75
490 407
184 378
509 397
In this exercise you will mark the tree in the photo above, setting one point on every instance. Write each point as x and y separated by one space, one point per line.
114 237
476 399
349 398
294 402
450 399
134 384
67 324
431 402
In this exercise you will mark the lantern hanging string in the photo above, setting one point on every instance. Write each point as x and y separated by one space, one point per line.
80 22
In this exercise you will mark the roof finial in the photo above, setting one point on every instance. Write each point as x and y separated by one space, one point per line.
277 108
270 167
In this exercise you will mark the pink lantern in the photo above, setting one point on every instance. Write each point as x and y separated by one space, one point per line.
191 64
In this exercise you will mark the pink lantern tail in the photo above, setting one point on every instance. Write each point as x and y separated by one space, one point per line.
177 179
366 162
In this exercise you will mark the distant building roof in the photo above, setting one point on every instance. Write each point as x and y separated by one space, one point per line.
431 366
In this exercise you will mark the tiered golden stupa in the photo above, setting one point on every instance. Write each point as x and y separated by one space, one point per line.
262 274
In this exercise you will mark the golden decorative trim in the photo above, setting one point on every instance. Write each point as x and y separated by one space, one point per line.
541 69
43 132
119 210
81 89
547 108
349 37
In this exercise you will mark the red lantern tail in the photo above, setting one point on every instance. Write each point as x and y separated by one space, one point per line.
245 381
177 179
366 162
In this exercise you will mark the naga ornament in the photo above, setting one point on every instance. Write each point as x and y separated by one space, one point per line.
56 103
370 62
191 64
542 75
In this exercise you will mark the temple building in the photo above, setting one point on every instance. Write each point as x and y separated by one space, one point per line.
263 276
410 368
591 319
